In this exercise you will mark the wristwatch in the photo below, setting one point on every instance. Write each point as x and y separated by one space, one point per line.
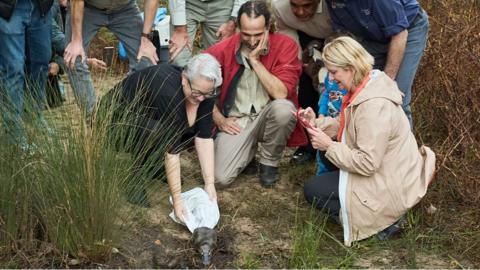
149 35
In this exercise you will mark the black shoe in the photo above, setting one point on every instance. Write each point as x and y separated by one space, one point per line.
268 175
392 230
303 155
251 169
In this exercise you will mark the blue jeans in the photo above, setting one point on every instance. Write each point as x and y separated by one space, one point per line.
416 42
127 25
25 51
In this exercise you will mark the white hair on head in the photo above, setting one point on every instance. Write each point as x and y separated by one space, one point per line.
206 66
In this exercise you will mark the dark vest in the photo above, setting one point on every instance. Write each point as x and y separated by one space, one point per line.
7 6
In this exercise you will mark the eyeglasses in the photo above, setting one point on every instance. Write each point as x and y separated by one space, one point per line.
197 93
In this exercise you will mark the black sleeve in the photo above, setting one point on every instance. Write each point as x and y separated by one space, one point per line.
204 124
202 128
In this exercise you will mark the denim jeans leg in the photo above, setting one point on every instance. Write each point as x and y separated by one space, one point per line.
12 74
79 76
416 42
38 54
127 24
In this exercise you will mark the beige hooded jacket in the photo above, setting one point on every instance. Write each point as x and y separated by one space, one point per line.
382 171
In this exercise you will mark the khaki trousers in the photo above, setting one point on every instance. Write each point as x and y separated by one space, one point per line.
270 130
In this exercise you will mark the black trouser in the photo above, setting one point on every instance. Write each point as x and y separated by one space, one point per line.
322 191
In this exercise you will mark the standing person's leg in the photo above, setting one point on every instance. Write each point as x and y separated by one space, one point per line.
218 12
12 73
416 42
127 25
38 53
322 191
79 76
195 10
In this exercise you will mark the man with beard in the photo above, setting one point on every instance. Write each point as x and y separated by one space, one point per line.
260 71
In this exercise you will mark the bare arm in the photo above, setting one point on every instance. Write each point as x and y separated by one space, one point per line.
75 46
172 168
147 48
205 154
273 85
396 50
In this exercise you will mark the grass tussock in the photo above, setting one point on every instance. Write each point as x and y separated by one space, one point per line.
66 184
447 118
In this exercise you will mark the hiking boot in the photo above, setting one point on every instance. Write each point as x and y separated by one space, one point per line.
392 230
251 169
268 175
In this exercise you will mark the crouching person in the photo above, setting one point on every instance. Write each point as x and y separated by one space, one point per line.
382 173
170 107
260 71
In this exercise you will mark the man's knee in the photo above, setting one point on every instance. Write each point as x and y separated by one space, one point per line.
281 112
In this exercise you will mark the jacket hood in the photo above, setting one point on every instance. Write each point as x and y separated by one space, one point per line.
379 86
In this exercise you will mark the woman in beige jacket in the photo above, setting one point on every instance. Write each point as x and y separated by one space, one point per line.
382 173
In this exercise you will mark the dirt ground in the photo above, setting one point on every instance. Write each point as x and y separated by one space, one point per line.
256 227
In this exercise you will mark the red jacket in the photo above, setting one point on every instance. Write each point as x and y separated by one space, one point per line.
281 60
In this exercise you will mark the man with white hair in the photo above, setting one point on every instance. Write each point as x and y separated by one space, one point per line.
169 107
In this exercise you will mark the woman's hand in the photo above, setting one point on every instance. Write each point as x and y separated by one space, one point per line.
319 139
180 210
307 114
212 193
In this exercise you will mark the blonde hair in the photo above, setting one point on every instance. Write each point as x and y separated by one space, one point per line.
346 52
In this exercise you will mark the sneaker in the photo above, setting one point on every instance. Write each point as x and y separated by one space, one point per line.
268 175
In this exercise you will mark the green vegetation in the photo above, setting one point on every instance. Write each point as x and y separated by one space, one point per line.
66 185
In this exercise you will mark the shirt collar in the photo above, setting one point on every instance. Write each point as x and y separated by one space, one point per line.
320 7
